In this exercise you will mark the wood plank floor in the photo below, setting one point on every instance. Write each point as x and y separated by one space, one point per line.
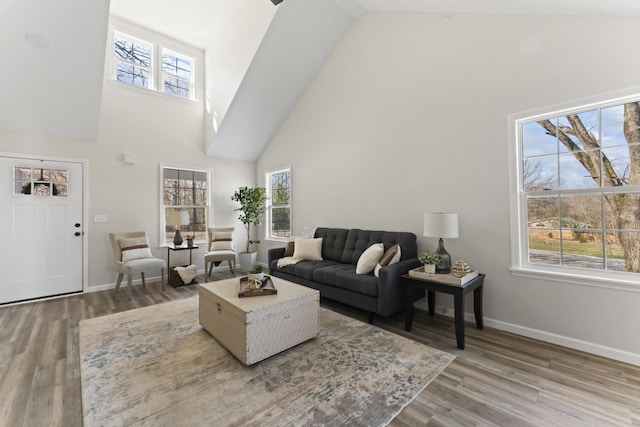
500 379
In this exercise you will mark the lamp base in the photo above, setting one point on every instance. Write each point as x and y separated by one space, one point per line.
177 240
444 266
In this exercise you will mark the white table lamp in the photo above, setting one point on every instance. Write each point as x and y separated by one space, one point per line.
177 218
441 225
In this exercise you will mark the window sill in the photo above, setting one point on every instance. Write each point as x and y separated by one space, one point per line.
272 240
151 91
600 279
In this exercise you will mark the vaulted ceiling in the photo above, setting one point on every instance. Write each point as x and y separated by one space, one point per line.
53 54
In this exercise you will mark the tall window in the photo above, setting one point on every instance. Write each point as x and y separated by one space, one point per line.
579 189
136 63
279 204
186 190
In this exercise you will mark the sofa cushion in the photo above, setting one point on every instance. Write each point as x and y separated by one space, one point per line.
359 240
369 258
289 249
407 242
333 241
344 276
221 241
134 248
304 269
391 256
308 249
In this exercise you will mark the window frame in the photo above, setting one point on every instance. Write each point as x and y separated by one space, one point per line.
156 74
162 207
520 265
191 82
137 40
270 205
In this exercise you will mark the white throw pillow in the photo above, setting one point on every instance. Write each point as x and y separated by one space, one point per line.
308 249
134 248
369 258
309 232
221 241
391 256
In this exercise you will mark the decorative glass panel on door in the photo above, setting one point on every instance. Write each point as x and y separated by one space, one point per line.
40 181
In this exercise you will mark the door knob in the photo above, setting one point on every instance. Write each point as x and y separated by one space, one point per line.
77 233
77 224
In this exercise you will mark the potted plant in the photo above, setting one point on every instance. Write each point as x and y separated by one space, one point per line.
252 207
256 273
429 259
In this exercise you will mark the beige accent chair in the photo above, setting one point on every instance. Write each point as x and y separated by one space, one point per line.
133 266
218 256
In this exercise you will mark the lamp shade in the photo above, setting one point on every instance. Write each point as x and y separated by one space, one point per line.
440 224
177 218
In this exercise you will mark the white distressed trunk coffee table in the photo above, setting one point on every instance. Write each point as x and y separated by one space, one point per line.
254 328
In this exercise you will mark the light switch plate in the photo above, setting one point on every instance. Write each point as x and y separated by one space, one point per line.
99 218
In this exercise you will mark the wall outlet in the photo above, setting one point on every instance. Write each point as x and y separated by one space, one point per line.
99 218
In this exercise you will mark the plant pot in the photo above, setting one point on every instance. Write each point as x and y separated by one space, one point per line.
429 268
247 260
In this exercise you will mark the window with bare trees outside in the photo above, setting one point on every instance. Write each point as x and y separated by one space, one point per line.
279 204
185 190
134 59
136 63
177 74
579 190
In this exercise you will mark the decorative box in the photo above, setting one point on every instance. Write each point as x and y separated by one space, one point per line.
253 329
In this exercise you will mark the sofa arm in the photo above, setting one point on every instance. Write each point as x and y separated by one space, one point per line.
390 295
274 254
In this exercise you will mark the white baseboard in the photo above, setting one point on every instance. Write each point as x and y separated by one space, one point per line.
137 281
587 347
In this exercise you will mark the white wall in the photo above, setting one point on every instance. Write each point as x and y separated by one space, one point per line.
239 28
158 129
409 115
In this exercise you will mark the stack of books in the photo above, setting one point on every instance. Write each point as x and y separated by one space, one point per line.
449 278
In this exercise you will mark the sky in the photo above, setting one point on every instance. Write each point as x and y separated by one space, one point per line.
606 125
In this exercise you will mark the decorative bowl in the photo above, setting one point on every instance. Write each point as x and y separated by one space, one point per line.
460 268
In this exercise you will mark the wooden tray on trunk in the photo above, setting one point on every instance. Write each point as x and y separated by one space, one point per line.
268 288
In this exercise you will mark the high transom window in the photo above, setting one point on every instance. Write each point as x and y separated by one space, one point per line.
177 74
579 189
133 60
136 63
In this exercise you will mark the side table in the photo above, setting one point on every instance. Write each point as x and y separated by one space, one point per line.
171 248
432 286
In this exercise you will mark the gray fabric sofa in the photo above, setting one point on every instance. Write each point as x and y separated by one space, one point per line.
335 276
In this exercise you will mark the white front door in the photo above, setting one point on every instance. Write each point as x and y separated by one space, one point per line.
41 247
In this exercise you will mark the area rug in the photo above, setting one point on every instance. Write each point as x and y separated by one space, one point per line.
156 366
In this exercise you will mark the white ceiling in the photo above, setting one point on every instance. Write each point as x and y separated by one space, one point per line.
194 21
295 46
41 40
509 7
